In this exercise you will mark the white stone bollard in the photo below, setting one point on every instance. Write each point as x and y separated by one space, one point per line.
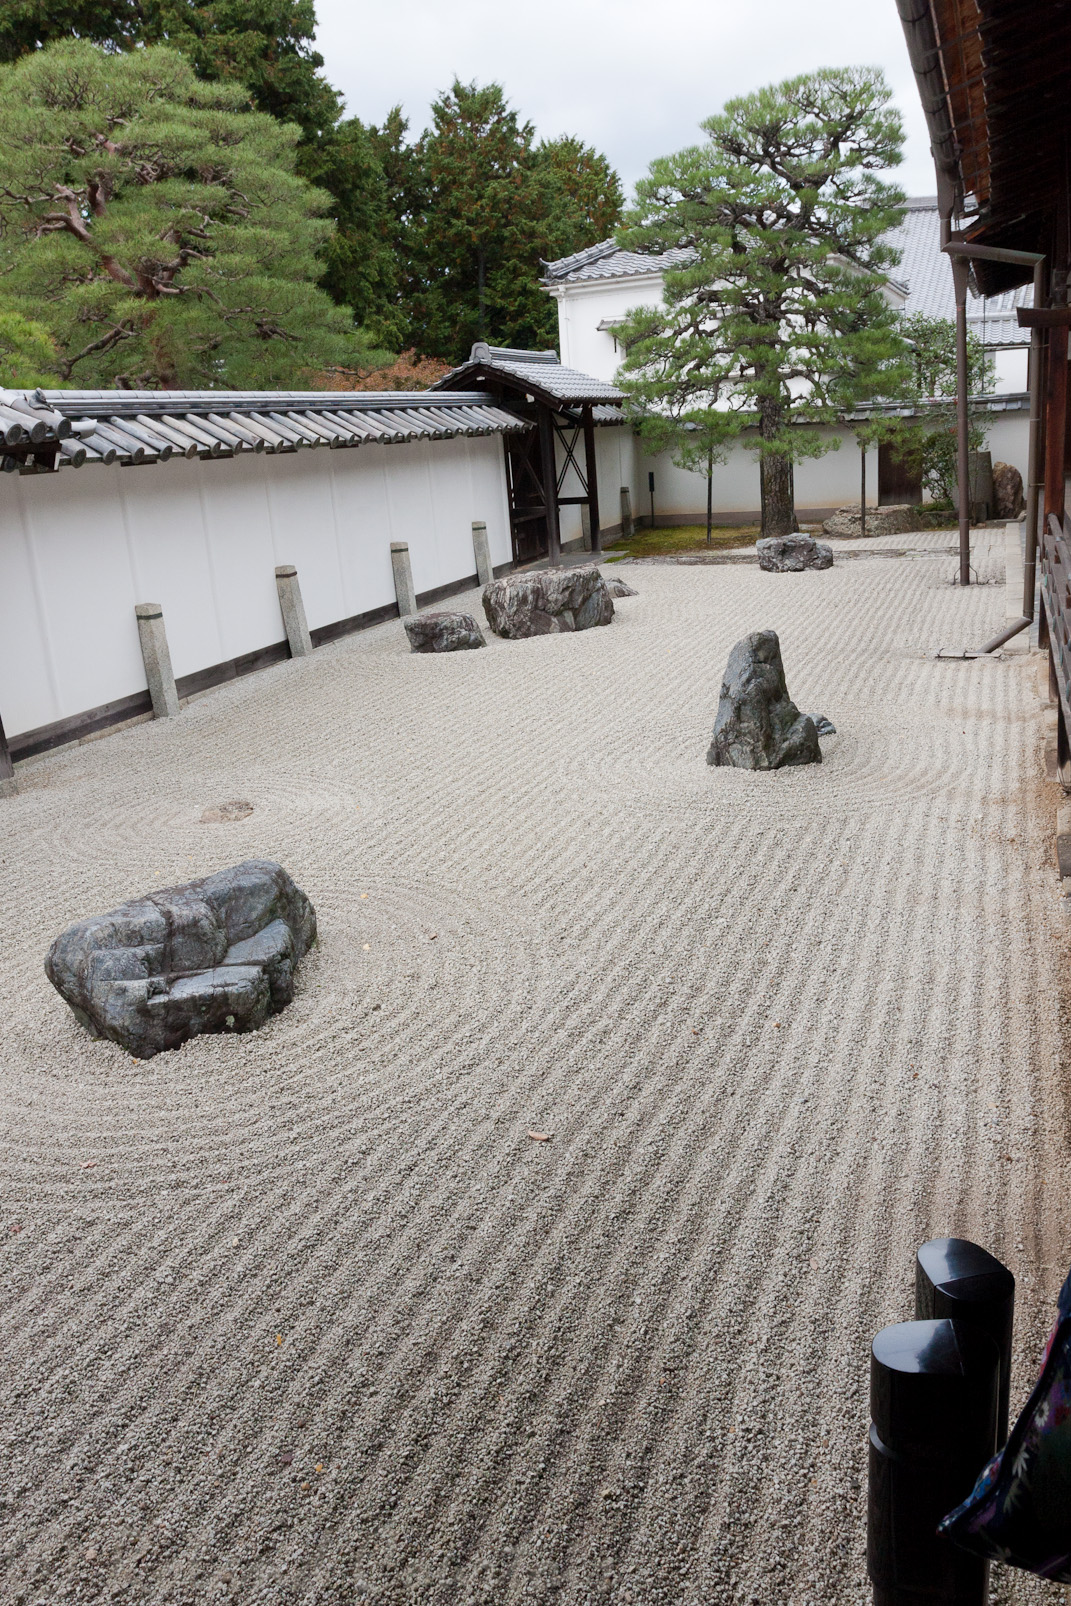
157 659
403 578
293 611
482 550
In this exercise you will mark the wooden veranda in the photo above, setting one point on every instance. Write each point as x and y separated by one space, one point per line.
995 82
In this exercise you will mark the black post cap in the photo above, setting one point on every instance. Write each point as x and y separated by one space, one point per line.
958 1280
933 1385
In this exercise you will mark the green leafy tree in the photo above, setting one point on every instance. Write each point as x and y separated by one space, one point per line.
156 225
928 439
491 208
777 319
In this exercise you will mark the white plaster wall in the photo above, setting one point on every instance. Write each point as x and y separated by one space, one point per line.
1008 439
1011 364
829 481
582 307
79 548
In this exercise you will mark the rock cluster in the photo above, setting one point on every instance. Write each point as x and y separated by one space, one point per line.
547 601
617 587
212 956
900 519
1007 491
758 726
788 554
443 632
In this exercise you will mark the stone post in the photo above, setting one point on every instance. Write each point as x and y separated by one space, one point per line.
626 512
293 611
403 578
482 549
585 526
157 659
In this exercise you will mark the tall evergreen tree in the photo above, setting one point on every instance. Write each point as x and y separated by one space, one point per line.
591 184
778 319
157 226
492 207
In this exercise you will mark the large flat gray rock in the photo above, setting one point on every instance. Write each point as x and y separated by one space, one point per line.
214 955
548 601
789 554
758 726
898 519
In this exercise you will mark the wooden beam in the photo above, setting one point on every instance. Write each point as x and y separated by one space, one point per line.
7 768
1056 422
592 477
1044 317
549 465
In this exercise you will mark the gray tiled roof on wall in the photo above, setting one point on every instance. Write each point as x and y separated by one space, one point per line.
71 427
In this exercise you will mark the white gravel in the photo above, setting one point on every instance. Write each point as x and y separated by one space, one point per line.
306 1316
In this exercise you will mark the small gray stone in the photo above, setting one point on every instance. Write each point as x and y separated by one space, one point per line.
824 726
547 601
758 726
214 955
788 554
443 632
617 587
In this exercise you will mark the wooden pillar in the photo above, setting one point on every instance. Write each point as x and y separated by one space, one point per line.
592 474
550 485
8 784
1056 422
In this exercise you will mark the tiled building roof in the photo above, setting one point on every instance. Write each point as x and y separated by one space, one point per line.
539 372
922 271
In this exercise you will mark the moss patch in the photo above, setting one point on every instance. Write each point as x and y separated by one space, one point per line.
661 542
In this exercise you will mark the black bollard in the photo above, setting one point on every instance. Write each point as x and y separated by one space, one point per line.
933 1404
956 1279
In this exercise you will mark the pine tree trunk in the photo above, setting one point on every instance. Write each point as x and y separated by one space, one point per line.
778 512
481 283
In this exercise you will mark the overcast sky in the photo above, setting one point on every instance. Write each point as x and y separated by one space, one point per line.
632 77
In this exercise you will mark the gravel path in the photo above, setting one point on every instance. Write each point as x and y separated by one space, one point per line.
307 1316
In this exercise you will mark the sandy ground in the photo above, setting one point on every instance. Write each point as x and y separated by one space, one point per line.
306 1316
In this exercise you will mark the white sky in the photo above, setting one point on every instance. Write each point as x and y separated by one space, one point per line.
632 77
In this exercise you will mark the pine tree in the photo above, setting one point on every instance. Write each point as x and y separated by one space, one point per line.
157 227
778 317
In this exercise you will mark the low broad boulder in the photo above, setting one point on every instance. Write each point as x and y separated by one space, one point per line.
758 726
443 632
215 955
547 601
897 519
1007 491
617 587
788 554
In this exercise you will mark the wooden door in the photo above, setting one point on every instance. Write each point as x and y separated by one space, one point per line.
527 498
898 483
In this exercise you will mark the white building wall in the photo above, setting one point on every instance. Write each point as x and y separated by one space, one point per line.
80 548
829 481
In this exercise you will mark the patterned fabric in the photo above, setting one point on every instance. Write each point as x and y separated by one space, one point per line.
1019 1511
